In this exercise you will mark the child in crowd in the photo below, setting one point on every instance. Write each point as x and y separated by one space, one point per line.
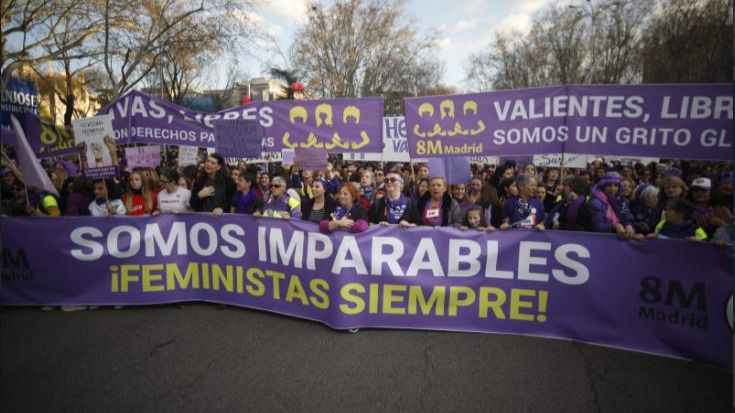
677 222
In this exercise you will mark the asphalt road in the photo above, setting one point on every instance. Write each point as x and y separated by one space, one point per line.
200 358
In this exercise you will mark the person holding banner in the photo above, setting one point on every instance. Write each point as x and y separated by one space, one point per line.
348 215
436 208
139 199
107 200
524 210
395 207
213 188
645 209
173 199
280 204
572 212
321 205
246 199
609 211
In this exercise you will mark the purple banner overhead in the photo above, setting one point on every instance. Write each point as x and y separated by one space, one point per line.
239 138
456 170
336 125
46 139
311 158
665 121
662 297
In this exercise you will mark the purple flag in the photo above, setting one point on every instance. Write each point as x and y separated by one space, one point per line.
33 173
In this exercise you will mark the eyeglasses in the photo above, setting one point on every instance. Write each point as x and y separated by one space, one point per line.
392 180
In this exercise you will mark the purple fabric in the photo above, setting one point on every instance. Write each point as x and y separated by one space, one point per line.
337 125
557 284
667 121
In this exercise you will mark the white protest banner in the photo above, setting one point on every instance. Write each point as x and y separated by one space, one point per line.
148 156
265 157
188 155
96 146
571 160
485 160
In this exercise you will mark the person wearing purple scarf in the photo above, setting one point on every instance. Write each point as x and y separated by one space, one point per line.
609 211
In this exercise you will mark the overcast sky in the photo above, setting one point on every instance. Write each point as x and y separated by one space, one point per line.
462 26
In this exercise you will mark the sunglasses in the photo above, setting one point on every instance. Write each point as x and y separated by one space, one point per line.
276 185
393 180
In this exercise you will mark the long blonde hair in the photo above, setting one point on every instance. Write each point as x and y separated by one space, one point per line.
145 190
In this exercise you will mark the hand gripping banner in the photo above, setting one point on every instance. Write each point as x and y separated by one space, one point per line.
663 297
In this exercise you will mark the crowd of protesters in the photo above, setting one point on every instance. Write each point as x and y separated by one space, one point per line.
672 199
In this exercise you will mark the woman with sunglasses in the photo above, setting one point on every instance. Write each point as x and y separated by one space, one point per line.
348 215
173 199
394 207
280 203
213 188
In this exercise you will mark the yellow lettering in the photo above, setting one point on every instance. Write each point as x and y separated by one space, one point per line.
496 303
416 296
218 276
373 297
319 288
126 277
276 276
346 294
389 298
516 304
149 277
456 300
173 274
296 290
256 288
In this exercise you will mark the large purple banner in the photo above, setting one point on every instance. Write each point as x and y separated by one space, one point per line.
663 297
337 125
666 121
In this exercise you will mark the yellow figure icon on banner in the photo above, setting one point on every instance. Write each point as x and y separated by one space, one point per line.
324 118
447 111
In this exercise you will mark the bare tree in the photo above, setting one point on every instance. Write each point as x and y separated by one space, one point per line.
594 42
31 28
362 48
690 42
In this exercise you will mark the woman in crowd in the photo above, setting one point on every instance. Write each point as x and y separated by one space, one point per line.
422 188
320 206
302 183
459 194
473 193
507 189
245 200
645 210
395 207
139 199
106 199
348 215
281 204
367 190
475 219
672 187
609 211
572 213
627 189
436 208
523 210
705 214
173 199
81 193
213 188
